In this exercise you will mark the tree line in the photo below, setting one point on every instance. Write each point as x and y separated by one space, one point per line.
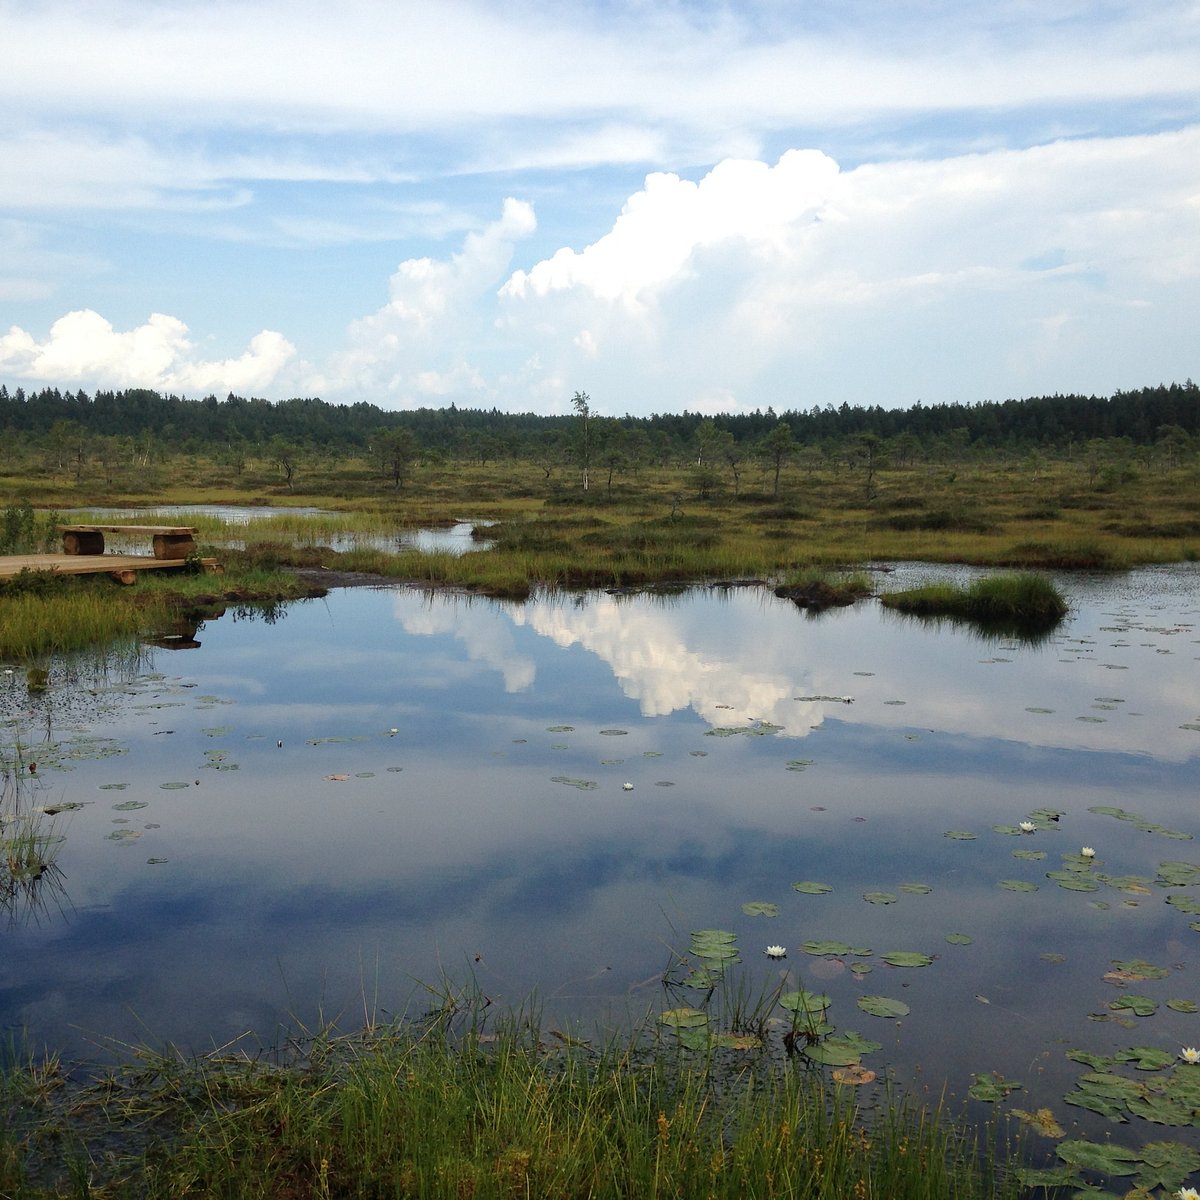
1142 417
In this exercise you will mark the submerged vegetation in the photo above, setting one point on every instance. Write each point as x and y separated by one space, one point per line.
29 836
424 1109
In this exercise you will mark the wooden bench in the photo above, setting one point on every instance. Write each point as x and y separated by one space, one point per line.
168 541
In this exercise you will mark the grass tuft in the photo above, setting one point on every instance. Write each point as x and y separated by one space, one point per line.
1024 600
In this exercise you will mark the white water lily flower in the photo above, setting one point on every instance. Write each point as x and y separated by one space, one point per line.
1188 1194
627 787
1088 852
1027 826
1190 1054
780 952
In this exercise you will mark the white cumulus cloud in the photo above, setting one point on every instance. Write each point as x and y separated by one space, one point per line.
83 347
892 281
420 342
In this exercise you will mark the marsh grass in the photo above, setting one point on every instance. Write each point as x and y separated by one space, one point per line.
816 588
429 1108
38 619
1020 601
650 530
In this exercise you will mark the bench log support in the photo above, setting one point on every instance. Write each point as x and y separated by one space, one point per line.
171 542
91 542
173 545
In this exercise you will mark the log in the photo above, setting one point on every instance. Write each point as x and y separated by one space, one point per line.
83 543
173 545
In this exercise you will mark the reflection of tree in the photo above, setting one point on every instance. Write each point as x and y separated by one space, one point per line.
268 614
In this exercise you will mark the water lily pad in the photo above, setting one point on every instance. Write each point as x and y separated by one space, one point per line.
811 888
1146 1058
684 1018
799 764
853 1075
833 1053
560 728
1183 1006
121 836
959 939
1107 1158
855 1040
1017 885
1072 882
758 729
1029 855
760 908
883 1006
879 898
916 889
175 784
613 732
1178 874
1166 1165
714 935
1107 810
1141 1006
584 785
992 1086
906 958
1138 968
959 835
737 1041
1042 1122
804 1003
113 787
827 947
130 805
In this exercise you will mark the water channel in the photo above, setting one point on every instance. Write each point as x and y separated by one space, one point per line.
317 815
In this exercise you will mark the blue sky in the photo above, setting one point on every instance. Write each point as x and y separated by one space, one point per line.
667 205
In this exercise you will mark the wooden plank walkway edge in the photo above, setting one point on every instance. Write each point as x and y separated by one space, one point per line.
122 567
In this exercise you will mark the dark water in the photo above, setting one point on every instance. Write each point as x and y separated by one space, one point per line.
423 818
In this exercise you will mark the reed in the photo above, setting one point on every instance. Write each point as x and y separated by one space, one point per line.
423 1109
34 625
1010 600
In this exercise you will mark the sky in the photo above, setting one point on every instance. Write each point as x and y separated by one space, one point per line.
667 204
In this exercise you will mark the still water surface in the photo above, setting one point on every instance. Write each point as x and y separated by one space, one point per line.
449 801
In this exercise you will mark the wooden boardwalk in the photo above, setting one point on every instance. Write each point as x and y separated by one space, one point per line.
83 553
122 567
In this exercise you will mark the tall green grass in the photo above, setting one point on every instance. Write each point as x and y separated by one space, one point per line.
417 1110
33 625
1024 598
